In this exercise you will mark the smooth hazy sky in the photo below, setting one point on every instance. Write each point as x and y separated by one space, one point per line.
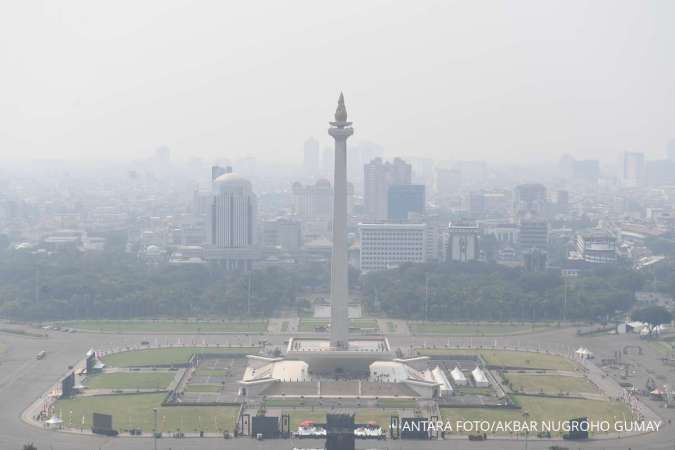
449 80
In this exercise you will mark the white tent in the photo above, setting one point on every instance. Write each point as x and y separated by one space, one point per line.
584 353
54 422
442 380
458 377
479 377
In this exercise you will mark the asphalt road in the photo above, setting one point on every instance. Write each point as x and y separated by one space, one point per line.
24 379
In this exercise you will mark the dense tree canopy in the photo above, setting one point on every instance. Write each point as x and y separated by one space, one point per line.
653 315
117 285
493 292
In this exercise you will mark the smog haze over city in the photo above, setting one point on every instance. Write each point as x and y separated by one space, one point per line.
348 225
495 80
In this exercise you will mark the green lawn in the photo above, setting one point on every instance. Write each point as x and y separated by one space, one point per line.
209 373
284 326
542 409
550 384
168 326
510 358
166 356
310 324
135 411
474 390
203 388
663 347
133 380
476 329
396 403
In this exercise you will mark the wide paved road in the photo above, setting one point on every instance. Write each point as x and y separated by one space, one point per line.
23 379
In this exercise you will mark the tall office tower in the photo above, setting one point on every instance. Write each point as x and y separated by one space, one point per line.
633 168
670 150
463 243
562 200
311 156
282 233
217 171
378 176
404 199
529 200
360 154
340 130
232 222
313 201
566 166
327 157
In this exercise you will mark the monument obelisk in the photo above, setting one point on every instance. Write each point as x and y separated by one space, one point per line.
339 287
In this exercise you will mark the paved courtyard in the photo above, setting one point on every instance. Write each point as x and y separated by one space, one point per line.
23 379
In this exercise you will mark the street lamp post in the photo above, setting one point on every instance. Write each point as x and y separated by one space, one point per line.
526 416
154 430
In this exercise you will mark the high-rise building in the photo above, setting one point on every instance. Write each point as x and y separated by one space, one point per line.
529 200
231 228
534 260
596 247
378 176
217 171
533 233
563 200
404 199
463 243
313 201
311 156
327 157
633 168
660 172
282 233
670 150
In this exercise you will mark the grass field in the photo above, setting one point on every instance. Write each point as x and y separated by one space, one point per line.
474 390
135 411
663 347
542 409
318 415
168 326
310 324
203 388
284 326
166 356
123 380
395 403
209 373
510 358
476 329
550 384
